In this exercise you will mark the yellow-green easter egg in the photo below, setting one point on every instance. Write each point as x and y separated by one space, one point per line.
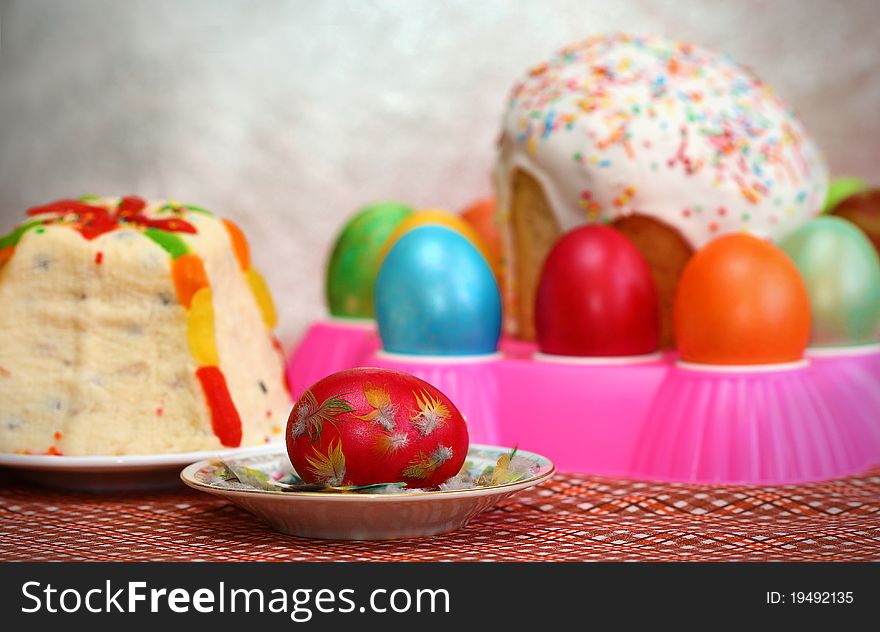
841 271
354 260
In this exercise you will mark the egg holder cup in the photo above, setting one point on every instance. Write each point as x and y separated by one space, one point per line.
329 345
645 417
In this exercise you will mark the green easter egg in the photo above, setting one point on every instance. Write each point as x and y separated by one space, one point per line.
354 261
840 189
841 271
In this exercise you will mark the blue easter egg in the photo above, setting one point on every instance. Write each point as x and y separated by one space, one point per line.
436 295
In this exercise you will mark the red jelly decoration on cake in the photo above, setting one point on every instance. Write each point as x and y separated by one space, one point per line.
596 297
224 416
130 207
90 220
93 221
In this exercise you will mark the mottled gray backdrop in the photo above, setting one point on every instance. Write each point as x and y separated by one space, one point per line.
287 116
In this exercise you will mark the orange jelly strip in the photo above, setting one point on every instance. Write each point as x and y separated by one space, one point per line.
239 244
189 277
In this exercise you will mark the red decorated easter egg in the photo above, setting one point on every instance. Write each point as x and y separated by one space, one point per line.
596 297
367 426
741 300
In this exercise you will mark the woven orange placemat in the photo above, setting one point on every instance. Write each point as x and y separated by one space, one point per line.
570 518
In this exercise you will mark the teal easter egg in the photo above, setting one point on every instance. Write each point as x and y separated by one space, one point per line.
841 271
437 295
840 189
354 261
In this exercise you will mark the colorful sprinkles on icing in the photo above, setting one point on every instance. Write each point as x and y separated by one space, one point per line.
657 109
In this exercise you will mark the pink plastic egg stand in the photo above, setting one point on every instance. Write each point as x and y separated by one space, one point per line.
471 382
769 424
642 415
618 418
584 414
330 345
849 377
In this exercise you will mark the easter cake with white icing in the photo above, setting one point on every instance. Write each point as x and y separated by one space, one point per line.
134 327
671 143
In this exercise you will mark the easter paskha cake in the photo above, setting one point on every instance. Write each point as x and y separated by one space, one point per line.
134 327
671 143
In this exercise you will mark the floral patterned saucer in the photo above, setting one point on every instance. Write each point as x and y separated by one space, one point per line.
266 486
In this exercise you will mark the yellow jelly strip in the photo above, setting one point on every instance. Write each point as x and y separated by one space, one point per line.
263 297
200 328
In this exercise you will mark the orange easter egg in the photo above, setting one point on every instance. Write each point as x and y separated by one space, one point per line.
440 218
741 300
481 216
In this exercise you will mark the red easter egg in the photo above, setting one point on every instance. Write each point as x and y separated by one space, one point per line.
741 300
367 426
596 297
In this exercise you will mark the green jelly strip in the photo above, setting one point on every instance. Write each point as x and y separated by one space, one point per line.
167 208
197 209
90 198
11 239
170 242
